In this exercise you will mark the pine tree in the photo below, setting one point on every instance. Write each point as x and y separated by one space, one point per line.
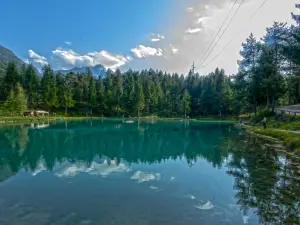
140 99
101 96
296 17
185 103
31 84
248 70
49 89
11 78
16 101
92 95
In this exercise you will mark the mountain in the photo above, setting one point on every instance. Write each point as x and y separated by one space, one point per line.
96 70
7 56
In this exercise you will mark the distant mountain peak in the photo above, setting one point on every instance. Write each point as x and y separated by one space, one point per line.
97 70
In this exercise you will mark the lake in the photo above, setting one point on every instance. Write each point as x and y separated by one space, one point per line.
148 172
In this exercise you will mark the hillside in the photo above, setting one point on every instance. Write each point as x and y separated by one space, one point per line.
6 56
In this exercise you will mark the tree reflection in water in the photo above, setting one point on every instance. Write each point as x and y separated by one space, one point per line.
266 180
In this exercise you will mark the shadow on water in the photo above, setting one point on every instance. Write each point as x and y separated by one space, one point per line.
265 181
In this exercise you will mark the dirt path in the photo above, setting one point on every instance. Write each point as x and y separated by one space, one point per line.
289 131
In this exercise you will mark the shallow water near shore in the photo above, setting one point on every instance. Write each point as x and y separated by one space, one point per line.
105 171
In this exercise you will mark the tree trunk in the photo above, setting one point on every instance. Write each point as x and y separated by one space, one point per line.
273 103
268 101
255 108
66 110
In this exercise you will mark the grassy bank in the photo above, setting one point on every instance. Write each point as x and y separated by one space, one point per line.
287 131
20 119
289 139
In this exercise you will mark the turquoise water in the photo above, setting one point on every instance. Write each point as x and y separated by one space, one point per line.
174 172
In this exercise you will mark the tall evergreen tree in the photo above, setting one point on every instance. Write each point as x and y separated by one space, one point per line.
49 89
140 99
11 78
31 84
185 103
92 95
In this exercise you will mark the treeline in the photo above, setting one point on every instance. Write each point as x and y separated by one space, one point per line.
269 75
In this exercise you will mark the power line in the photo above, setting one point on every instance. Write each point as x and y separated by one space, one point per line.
224 31
257 10
219 30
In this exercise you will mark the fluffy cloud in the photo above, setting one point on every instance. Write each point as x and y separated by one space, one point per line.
142 51
190 9
202 20
66 58
156 37
173 49
205 17
104 169
68 43
36 59
193 30
69 57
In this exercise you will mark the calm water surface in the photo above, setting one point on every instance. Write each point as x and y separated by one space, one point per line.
107 172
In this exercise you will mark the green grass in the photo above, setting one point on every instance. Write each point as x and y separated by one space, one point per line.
290 140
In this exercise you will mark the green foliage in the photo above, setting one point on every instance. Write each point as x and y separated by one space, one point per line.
268 76
49 89
16 101
291 140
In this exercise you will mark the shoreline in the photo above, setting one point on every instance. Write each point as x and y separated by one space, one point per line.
289 139
18 120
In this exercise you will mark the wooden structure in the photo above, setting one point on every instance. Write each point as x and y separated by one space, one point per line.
35 113
290 110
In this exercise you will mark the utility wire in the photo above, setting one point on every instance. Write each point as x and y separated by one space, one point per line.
236 11
219 30
257 10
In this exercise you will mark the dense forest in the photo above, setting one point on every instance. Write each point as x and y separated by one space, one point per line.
268 76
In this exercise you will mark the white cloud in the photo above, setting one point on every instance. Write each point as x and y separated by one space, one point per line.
174 50
36 59
193 30
142 51
68 58
155 39
104 169
190 9
68 43
144 176
205 18
109 60
202 20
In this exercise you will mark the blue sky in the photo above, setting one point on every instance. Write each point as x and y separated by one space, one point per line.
113 25
161 34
